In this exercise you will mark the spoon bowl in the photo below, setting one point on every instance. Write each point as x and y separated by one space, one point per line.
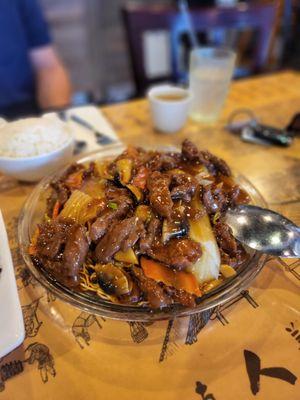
264 230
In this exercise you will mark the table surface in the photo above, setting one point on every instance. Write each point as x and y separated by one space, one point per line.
60 360
273 98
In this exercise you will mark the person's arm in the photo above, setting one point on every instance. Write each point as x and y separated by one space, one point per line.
52 80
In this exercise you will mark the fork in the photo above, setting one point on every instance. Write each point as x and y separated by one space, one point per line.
80 145
101 138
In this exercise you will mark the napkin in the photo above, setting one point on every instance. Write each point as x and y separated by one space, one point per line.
94 116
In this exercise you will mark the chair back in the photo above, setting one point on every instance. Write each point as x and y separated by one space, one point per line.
140 20
257 17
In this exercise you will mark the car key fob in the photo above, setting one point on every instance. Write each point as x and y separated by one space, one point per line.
276 136
266 134
251 130
248 136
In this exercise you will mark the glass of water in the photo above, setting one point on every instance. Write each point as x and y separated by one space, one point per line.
211 70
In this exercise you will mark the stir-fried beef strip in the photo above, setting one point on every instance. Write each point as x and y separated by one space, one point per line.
235 260
182 186
76 249
155 294
237 195
225 238
232 252
63 245
122 201
159 193
214 164
52 236
152 232
164 161
109 216
146 215
181 296
102 223
120 236
137 231
189 151
217 197
116 194
178 253
214 199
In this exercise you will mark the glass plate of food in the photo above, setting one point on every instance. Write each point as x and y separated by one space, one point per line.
136 234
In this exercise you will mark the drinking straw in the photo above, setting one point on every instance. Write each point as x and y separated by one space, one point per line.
184 9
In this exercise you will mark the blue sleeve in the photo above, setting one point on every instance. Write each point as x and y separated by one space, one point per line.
35 25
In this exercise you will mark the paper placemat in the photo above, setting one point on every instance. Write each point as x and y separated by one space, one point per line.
247 348
94 116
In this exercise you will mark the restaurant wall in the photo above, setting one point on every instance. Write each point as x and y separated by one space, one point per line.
89 36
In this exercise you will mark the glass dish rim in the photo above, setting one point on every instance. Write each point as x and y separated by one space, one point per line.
98 306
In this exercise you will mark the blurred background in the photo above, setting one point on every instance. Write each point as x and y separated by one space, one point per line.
113 50
92 38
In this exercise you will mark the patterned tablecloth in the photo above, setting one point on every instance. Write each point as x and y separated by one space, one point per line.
245 348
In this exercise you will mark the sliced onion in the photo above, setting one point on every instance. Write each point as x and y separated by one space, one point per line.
81 207
208 266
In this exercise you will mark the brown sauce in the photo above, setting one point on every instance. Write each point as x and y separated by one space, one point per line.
171 96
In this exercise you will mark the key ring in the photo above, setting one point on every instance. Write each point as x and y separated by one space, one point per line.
235 126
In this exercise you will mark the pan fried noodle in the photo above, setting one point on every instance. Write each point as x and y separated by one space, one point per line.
144 229
88 283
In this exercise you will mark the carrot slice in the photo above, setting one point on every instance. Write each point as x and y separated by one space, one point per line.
56 209
177 279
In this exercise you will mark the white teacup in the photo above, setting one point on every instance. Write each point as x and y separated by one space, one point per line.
169 107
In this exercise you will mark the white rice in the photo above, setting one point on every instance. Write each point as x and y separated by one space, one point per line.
32 136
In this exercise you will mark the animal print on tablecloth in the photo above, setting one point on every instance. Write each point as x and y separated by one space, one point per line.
31 321
196 323
36 353
81 325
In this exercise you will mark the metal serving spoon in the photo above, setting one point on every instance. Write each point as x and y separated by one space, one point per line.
264 230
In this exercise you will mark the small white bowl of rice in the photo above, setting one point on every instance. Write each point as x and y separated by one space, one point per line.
31 148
